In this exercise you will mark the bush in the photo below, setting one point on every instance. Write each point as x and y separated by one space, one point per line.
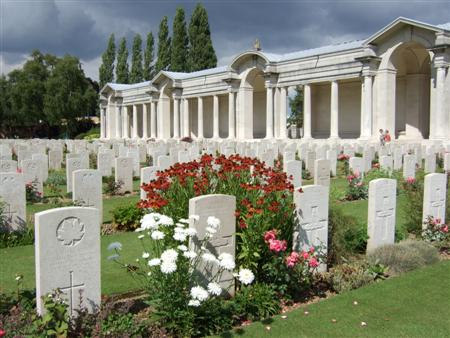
413 195
56 178
346 237
32 195
350 276
93 133
112 187
16 238
356 189
127 218
404 256
256 302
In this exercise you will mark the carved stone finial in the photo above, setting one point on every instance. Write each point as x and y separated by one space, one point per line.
257 45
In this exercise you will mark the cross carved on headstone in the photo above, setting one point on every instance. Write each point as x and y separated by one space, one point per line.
384 214
70 290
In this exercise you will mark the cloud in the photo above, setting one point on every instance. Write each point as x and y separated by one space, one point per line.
81 28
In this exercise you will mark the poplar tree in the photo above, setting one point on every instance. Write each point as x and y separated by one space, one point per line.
149 57
122 62
106 70
180 42
201 50
164 46
136 60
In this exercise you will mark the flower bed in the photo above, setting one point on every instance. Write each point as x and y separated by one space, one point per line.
264 199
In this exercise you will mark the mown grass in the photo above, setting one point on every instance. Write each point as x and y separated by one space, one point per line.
416 304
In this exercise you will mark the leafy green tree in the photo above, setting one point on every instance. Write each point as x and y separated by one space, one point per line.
69 95
122 63
164 46
106 70
6 115
180 43
136 60
149 55
296 105
201 50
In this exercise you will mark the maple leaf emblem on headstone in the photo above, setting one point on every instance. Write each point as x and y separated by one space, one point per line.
70 231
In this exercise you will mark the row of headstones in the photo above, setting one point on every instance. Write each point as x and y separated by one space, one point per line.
68 239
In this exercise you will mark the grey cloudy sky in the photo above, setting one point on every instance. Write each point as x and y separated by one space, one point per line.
82 27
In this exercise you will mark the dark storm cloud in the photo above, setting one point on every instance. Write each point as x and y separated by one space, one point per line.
82 27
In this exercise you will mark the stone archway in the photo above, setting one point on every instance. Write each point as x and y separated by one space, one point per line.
411 62
253 98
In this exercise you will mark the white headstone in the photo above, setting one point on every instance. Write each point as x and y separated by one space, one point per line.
397 158
224 241
386 163
32 173
356 165
322 172
434 196
409 166
105 162
311 205
147 174
447 162
12 193
54 159
124 173
72 164
164 162
67 255
430 163
293 171
87 189
332 157
44 165
381 214
309 162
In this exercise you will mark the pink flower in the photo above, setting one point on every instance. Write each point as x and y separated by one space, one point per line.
277 245
313 262
292 259
305 255
445 228
359 184
356 174
311 250
410 180
437 221
270 235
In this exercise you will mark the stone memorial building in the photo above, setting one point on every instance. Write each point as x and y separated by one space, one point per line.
397 79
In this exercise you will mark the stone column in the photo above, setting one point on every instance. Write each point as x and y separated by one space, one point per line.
367 111
283 127
186 130
118 126
307 111
135 121
126 123
176 118
440 122
200 117
269 112
145 121
215 116
153 119
231 115
102 122
334 110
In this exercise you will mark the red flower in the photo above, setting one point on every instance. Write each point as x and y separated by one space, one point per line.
277 245
242 224
313 262
305 255
445 228
2 333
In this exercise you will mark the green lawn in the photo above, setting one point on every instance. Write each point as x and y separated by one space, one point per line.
114 278
416 304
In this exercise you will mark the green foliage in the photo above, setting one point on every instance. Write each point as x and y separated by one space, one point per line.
112 187
93 133
164 46
346 237
149 55
136 74
180 42
404 256
215 317
350 276
127 217
118 324
256 302
356 189
106 71
16 238
122 75
296 105
32 194
55 321
56 178
413 196
201 51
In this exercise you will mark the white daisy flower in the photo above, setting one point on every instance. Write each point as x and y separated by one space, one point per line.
141 236
170 255
154 262
145 255
179 236
115 246
209 258
245 276
184 220
227 264
189 254
182 247
165 220
157 235
199 293
194 217
167 267
214 289
190 232
213 222
194 302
